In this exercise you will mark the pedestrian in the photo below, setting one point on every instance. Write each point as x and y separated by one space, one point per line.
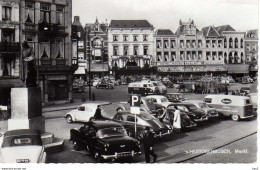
98 114
148 142
226 90
177 119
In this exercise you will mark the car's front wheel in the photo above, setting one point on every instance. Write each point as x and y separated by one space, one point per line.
69 119
75 146
235 117
98 157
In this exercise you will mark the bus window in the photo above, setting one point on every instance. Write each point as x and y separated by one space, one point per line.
208 100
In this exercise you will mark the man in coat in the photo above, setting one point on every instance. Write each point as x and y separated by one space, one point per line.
148 142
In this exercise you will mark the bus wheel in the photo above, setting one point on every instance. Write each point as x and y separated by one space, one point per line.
235 117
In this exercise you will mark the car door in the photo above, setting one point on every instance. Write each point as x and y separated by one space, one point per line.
78 114
85 115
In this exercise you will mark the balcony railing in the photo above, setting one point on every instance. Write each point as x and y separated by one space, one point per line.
54 62
12 47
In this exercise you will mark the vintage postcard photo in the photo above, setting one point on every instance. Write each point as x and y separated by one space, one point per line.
154 82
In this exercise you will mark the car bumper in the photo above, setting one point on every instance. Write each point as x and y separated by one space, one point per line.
246 117
201 119
190 126
163 134
121 155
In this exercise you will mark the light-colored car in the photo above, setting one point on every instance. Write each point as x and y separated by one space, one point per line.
95 82
84 112
22 146
162 88
159 100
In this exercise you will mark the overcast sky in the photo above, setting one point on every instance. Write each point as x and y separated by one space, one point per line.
242 15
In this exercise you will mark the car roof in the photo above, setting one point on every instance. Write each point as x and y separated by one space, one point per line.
95 104
226 96
155 96
182 103
102 124
21 132
174 93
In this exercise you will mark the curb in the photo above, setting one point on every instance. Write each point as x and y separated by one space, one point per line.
185 158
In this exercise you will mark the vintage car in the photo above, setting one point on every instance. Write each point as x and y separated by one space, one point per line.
143 119
236 107
105 84
191 110
175 97
211 113
159 100
167 82
142 88
186 122
106 140
84 112
146 104
22 146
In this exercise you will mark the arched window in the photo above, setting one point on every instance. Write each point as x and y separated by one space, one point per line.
236 43
241 43
230 58
242 56
236 58
225 58
230 43
225 43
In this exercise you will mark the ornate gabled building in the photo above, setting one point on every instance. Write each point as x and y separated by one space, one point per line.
97 48
251 51
130 47
9 49
46 26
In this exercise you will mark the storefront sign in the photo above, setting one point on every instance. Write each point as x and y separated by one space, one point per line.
98 67
180 63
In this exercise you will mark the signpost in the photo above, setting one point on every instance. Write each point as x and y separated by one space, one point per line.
135 101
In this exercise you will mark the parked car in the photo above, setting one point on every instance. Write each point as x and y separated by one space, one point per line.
211 113
143 119
95 82
78 86
175 97
162 88
22 146
84 112
142 88
167 82
106 140
236 107
105 84
159 100
146 104
191 110
244 91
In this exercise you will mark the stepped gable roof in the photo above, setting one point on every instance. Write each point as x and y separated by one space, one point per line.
164 32
180 30
222 28
130 24
209 32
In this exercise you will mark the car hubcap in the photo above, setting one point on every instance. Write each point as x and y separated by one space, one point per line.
235 117
68 119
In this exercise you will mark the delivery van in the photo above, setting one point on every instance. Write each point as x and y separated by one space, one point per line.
142 88
236 107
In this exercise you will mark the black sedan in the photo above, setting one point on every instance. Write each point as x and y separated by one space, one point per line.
143 120
106 140
193 112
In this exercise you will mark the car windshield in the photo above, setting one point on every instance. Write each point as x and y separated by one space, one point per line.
164 99
192 107
113 131
150 104
203 105
146 116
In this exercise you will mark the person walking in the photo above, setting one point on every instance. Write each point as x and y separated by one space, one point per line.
177 119
98 114
148 142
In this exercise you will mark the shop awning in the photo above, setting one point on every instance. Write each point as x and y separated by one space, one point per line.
238 69
80 70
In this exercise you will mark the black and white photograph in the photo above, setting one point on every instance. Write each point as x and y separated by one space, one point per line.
128 82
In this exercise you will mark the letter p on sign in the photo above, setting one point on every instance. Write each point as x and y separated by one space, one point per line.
135 100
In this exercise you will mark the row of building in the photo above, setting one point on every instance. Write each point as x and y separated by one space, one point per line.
135 47
64 49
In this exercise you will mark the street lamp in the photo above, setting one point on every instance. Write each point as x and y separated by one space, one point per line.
89 58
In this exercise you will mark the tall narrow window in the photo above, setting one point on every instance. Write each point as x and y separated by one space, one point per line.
173 44
6 13
236 43
115 50
125 50
158 44
45 12
165 42
241 43
115 38
230 43
145 37
135 37
60 15
125 38
145 50
135 50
